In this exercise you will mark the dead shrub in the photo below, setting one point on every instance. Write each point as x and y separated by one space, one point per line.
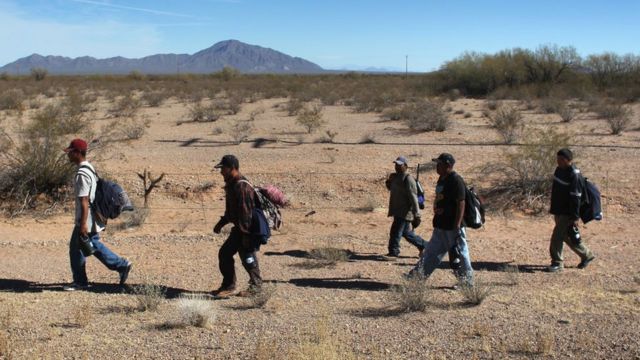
132 219
425 115
126 106
311 119
566 113
240 131
76 103
198 112
12 100
551 105
196 311
476 292
508 122
149 296
393 114
545 342
618 116
523 181
154 98
492 104
412 294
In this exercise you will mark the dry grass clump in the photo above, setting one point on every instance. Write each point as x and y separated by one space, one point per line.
198 112
196 311
12 99
321 344
123 129
367 139
328 137
311 118
126 106
512 274
523 180
294 106
476 292
566 113
260 296
412 294
331 254
508 122
82 315
6 337
149 296
618 116
241 130
551 105
154 98
425 115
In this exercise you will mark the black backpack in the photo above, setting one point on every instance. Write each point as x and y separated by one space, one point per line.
473 209
111 200
591 202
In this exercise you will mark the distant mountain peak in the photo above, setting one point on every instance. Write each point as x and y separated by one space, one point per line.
241 56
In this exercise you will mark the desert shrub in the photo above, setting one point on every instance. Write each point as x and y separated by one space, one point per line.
551 105
4 76
126 129
492 104
260 296
126 106
453 94
412 294
241 130
425 115
154 98
136 75
82 315
373 101
35 104
235 101
329 253
198 112
618 116
38 74
508 122
467 115
393 114
76 104
12 100
311 119
566 113
196 311
512 274
475 293
149 296
228 73
132 219
328 137
294 106
523 180
459 112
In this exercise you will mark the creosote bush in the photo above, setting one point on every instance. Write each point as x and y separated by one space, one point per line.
311 119
241 130
126 106
618 117
198 112
508 122
425 115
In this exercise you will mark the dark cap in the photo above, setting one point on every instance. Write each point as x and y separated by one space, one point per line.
228 161
566 153
77 145
401 160
445 158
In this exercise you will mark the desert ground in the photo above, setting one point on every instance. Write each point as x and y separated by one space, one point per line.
337 198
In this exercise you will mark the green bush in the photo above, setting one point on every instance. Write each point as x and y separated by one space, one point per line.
425 115
311 119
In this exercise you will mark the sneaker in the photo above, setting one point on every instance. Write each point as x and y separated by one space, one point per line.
75 287
584 263
395 255
554 268
124 274
223 293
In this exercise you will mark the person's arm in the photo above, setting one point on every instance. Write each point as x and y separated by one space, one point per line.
245 206
575 195
84 215
412 191
459 214
461 191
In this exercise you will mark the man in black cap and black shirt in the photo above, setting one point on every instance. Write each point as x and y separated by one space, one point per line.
448 227
566 195
239 204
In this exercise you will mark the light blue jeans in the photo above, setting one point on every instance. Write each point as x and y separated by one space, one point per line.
107 257
440 243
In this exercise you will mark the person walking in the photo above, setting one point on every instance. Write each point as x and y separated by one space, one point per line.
239 205
566 194
85 238
403 207
449 235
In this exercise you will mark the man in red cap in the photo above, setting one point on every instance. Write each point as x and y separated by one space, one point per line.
85 239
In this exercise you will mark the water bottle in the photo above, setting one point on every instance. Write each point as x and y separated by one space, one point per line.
574 235
86 246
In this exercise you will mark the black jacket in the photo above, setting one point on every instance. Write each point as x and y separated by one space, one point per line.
566 192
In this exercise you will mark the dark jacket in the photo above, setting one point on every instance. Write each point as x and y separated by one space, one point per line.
566 192
239 204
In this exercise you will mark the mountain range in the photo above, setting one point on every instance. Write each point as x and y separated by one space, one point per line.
250 59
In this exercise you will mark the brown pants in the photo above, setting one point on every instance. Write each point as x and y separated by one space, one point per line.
560 236
231 246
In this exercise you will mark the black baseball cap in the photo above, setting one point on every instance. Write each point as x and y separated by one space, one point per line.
228 161
445 158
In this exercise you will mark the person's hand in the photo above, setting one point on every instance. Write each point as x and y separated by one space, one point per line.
459 233
416 222
84 230
218 227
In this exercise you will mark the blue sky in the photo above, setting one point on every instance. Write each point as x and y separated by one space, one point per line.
331 33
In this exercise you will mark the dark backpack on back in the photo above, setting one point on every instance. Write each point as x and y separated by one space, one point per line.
591 204
111 200
473 209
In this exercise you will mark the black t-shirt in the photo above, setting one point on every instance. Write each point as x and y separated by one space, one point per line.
449 192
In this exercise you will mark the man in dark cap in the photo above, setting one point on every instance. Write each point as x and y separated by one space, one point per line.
566 195
449 233
239 204
403 207
88 226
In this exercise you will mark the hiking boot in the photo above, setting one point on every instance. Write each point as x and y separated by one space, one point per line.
124 273
223 293
75 287
584 263
554 268
393 255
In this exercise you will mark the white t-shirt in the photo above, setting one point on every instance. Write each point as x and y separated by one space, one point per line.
85 185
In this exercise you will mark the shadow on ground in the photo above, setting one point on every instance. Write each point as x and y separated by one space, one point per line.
341 283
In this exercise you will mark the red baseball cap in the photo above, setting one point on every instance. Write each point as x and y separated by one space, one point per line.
77 144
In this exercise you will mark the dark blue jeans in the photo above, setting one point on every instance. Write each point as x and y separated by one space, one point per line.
402 228
78 260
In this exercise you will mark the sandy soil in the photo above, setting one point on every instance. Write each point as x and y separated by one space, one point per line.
591 313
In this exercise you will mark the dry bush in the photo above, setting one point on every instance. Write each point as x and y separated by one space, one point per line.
260 296
39 74
393 114
373 100
425 115
311 119
123 129
453 94
327 138
154 98
476 292
468 115
241 130
82 315
492 104
321 344
294 106
198 112
367 139
412 294
545 342
12 99
551 105
235 101
126 106
523 181
508 122
512 274
330 254
132 219
618 116
4 76
77 103
459 112
566 113
149 296
196 311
